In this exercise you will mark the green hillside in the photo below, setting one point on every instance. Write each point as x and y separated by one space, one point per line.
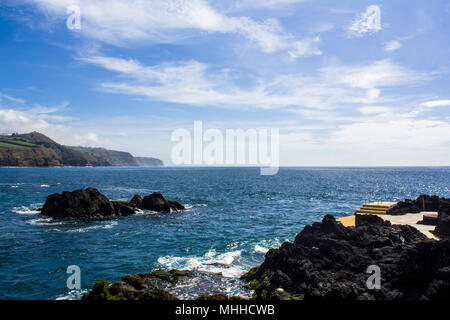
37 150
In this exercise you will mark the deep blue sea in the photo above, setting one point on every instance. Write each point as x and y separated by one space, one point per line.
234 216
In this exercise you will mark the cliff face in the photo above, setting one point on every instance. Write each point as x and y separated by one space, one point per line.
37 150
148 162
114 158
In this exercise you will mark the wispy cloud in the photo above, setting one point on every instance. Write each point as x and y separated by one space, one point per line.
193 83
392 46
11 99
245 4
125 22
436 103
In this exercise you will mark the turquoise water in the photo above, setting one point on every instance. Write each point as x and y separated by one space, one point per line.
234 216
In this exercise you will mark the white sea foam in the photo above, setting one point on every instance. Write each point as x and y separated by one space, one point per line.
25 210
195 205
72 295
144 212
108 225
265 245
71 226
44 221
44 186
211 261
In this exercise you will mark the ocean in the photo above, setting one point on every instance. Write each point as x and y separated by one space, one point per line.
235 215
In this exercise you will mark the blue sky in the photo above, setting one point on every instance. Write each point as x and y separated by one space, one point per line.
341 90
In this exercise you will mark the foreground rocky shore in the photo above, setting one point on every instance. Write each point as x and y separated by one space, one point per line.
90 204
326 261
427 203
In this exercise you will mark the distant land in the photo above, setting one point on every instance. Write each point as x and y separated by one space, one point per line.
37 150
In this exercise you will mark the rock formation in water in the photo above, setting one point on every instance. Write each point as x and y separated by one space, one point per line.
328 261
157 202
90 204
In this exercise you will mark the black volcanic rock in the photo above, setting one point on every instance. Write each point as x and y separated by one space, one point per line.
176 205
123 208
157 202
84 204
137 201
443 223
422 203
330 261
90 204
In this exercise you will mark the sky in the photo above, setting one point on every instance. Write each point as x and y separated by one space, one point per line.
346 83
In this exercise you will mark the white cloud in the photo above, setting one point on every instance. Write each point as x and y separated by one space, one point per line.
193 83
322 27
24 121
307 47
386 142
436 103
381 73
366 23
13 121
369 110
121 22
245 4
395 138
11 99
392 46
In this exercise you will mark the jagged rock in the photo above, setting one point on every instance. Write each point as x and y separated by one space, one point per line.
137 201
90 204
176 205
80 204
123 208
443 222
422 203
329 261
157 202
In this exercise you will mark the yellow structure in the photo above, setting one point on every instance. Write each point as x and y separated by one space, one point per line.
377 208
380 209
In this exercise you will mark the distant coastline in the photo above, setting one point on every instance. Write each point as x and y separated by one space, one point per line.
37 150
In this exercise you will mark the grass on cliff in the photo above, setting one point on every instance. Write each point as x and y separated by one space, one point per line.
15 143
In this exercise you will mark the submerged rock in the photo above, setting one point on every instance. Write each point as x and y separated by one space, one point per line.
329 261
